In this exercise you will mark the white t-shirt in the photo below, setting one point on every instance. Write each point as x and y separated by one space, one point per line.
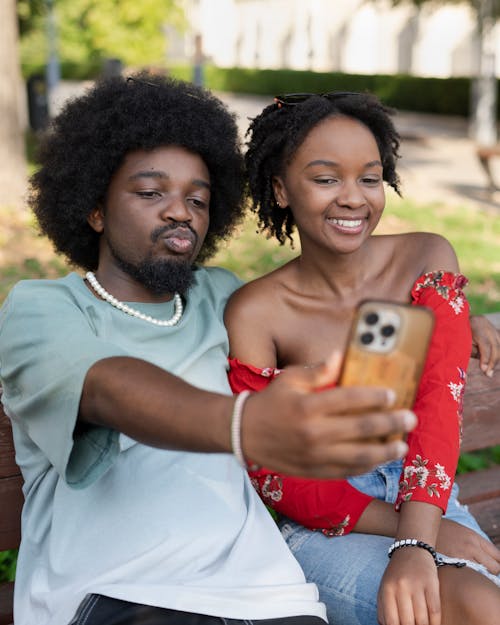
105 514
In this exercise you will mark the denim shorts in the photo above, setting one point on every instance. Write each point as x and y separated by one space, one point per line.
348 569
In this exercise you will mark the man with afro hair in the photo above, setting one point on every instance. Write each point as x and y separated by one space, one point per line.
138 508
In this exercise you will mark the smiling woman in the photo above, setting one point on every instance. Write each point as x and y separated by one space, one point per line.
318 164
352 174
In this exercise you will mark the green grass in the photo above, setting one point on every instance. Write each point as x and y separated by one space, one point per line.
479 460
474 234
8 561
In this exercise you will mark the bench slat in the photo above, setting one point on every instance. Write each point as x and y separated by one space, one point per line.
8 466
11 497
6 600
479 485
481 426
487 514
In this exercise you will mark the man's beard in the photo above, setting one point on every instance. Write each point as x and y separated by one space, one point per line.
166 275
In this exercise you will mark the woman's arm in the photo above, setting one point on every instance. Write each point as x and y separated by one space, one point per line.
430 464
409 588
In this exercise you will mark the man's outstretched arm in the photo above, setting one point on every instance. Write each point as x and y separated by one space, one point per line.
289 427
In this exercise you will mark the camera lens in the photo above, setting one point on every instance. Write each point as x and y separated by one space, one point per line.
371 319
366 338
387 330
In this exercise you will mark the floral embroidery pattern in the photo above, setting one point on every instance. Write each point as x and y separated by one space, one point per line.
270 372
457 390
337 530
420 475
272 488
452 293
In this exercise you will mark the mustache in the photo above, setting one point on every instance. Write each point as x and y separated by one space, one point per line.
161 230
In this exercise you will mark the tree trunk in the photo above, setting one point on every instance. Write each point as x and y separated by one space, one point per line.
13 172
484 120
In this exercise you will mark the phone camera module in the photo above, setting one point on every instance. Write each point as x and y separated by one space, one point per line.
367 338
371 318
387 330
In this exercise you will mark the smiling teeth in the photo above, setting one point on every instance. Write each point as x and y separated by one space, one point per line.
347 223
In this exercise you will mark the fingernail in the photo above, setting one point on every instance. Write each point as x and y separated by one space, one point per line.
390 396
410 420
484 367
490 373
400 448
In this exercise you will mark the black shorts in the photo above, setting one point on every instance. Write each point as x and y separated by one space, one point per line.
100 610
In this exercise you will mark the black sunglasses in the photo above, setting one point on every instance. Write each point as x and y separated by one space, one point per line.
139 81
290 99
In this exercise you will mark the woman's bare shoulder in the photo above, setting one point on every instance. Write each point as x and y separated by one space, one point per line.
426 251
251 317
256 295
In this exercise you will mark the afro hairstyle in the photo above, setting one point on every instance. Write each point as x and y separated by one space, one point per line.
87 142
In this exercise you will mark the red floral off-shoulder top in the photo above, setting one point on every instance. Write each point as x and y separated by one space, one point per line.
334 506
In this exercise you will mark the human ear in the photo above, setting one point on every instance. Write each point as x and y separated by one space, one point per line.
95 219
279 192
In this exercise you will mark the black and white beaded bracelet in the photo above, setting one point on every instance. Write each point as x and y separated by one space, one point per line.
413 542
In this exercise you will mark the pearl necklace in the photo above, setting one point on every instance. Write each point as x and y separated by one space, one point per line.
100 290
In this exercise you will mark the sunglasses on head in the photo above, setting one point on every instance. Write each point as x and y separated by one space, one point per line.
290 99
130 80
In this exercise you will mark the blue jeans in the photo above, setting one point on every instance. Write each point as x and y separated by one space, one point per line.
348 569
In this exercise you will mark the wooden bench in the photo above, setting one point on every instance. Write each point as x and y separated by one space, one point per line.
480 489
11 501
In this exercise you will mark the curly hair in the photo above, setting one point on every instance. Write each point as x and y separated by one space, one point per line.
87 142
279 130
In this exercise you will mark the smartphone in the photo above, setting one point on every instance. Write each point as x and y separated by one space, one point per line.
387 346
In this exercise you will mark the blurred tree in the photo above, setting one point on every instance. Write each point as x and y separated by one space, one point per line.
484 96
27 12
91 31
12 110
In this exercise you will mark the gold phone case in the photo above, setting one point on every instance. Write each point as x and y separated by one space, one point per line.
387 347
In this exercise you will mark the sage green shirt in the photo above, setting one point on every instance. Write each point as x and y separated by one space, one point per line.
105 514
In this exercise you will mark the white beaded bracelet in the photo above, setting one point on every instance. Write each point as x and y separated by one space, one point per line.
236 427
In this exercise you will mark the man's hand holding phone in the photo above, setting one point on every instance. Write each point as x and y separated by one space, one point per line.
291 428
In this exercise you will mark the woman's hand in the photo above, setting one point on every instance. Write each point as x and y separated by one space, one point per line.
456 541
485 343
409 590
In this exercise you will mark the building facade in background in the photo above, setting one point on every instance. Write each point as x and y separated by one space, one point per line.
350 36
